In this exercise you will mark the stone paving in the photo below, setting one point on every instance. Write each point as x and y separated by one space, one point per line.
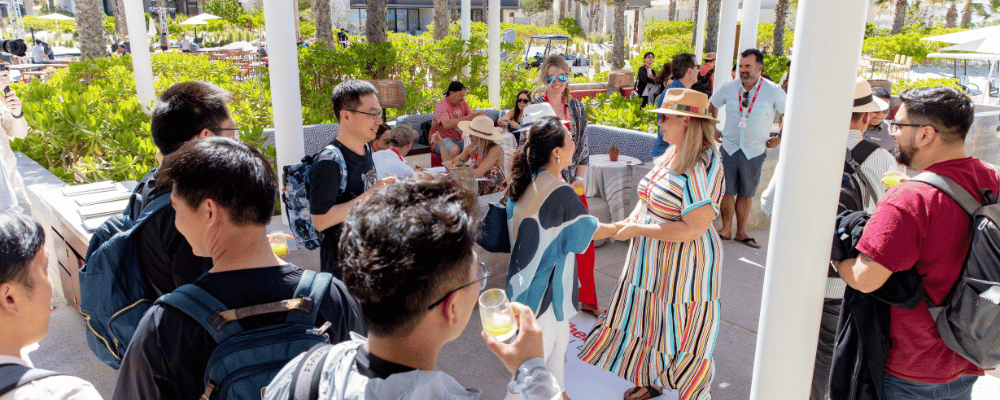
467 359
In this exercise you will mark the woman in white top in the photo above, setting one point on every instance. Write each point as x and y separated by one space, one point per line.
390 161
12 125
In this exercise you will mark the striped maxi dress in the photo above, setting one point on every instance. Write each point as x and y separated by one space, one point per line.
663 321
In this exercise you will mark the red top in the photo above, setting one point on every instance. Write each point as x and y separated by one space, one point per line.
445 111
918 226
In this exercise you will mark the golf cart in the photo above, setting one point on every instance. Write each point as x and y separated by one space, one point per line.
540 47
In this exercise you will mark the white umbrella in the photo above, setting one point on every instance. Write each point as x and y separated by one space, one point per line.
966 36
200 19
989 45
57 17
206 16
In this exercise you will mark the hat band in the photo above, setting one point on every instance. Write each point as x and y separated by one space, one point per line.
862 101
687 108
481 132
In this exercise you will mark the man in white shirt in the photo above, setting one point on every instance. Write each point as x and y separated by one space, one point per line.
390 162
184 44
25 305
38 53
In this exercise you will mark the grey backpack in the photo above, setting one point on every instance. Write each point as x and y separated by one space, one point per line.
967 321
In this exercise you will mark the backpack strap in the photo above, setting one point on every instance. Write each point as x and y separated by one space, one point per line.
961 196
313 286
203 308
338 156
863 149
306 378
157 204
13 376
855 158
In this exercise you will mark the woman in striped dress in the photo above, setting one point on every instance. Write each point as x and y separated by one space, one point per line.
663 320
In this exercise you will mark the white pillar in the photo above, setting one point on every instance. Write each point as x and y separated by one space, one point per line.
142 66
727 42
748 30
283 68
829 35
494 57
699 30
466 19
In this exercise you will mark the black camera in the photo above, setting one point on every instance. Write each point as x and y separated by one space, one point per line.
14 46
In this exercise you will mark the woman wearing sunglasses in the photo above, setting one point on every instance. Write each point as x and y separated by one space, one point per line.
553 76
512 120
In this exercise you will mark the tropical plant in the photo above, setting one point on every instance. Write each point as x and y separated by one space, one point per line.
324 25
230 10
712 34
571 27
618 37
619 111
90 28
780 16
899 18
440 19
903 84
377 24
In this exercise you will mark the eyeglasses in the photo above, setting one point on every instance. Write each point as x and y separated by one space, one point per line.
746 99
218 129
560 77
525 101
483 274
376 116
895 126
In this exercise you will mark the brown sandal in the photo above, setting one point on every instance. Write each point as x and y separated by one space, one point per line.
596 312
650 392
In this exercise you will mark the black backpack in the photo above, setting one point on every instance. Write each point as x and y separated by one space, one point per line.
855 190
967 322
13 376
704 83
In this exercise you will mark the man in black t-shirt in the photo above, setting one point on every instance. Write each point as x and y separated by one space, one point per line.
342 38
330 196
184 112
169 353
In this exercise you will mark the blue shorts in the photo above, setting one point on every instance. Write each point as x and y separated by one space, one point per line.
448 142
742 175
899 388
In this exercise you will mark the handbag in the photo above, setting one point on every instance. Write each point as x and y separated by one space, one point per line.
493 234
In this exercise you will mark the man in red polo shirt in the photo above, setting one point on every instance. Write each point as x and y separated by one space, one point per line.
918 226
446 138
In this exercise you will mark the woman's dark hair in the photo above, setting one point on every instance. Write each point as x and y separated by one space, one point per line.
517 110
20 240
227 171
406 246
544 136
664 74
382 129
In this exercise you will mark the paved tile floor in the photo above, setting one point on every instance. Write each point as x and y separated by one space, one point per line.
65 349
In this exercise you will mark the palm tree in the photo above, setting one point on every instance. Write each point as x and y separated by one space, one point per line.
324 24
377 24
672 12
712 35
899 18
951 16
562 10
618 36
440 19
90 28
967 14
780 14
118 7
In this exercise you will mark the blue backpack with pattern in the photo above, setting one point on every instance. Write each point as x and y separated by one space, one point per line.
295 195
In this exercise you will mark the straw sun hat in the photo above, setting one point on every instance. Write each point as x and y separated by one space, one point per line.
686 103
863 99
481 126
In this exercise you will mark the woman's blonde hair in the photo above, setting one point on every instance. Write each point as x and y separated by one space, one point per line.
543 71
700 135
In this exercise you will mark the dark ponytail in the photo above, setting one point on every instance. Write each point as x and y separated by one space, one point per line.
543 137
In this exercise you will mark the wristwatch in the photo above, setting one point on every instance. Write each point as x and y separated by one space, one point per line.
578 178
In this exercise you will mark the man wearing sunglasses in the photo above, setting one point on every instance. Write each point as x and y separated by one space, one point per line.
751 104
446 138
417 280
184 112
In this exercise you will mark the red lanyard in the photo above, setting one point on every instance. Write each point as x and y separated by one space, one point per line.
739 94
566 111
397 154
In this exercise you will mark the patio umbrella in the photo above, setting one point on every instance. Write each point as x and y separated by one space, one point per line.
200 19
966 36
57 17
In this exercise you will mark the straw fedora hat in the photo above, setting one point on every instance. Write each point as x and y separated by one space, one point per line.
863 99
534 113
481 126
687 103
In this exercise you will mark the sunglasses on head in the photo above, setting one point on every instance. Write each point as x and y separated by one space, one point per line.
560 77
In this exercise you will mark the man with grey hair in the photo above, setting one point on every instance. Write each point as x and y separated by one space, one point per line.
390 162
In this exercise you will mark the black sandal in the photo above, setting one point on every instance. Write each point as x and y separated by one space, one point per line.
651 392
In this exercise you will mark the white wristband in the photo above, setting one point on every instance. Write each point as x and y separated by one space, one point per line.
578 178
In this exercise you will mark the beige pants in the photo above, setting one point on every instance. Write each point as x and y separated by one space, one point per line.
555 339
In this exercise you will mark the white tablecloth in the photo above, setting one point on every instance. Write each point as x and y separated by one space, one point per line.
613 182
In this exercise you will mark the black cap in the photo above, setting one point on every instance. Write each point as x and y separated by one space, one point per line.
454 86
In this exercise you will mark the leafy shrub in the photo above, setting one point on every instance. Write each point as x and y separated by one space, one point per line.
908 43
775 66
569 25
49 25
765 35
662 30
615 110
903 84
88 124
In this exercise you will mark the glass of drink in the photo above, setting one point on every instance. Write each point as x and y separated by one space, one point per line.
496 317
278 241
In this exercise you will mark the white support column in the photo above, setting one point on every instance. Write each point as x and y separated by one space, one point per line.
494 55
466 19
142 65
699 30
727 41
828 36
748 30
286 100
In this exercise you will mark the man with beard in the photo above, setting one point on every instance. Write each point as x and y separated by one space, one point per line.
751 106
916 226
358 111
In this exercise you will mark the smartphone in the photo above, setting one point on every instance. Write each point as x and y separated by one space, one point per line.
6 90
